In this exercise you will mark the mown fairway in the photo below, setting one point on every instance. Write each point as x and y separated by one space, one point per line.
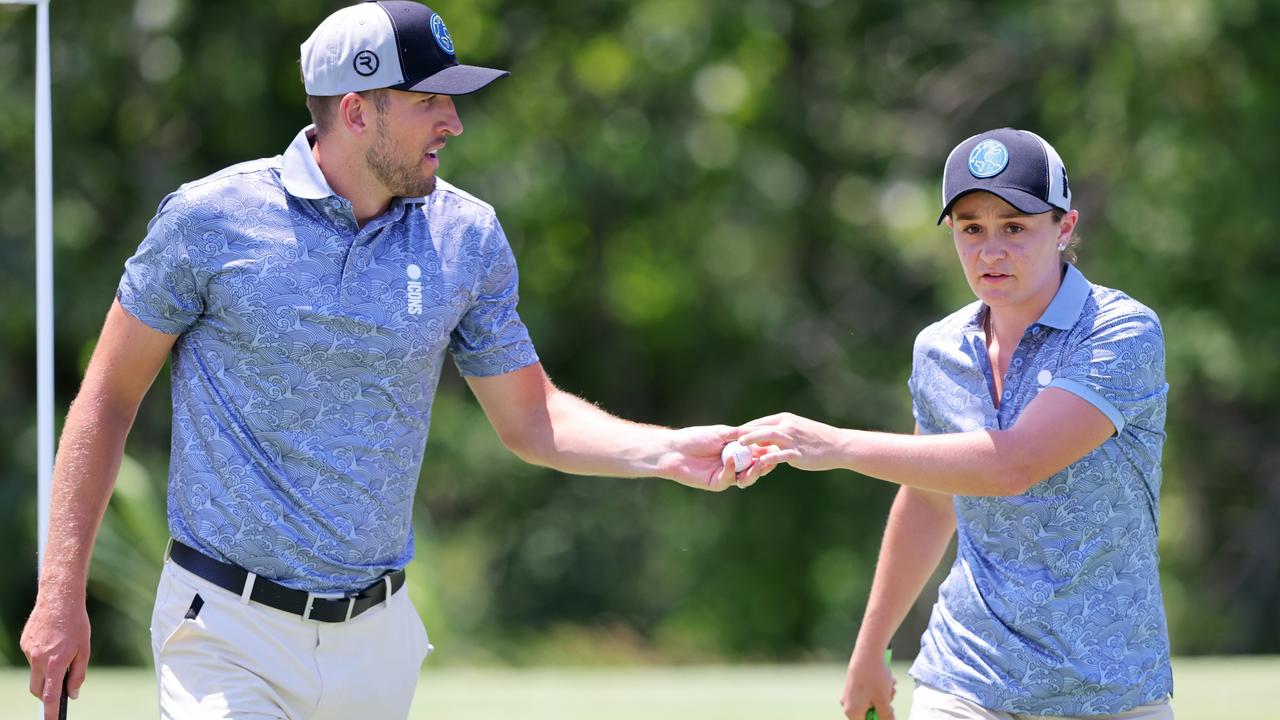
1235 688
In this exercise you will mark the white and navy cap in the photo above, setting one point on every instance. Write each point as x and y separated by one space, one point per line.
1017 166
393 44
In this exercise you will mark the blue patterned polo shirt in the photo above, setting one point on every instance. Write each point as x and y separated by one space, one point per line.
308 356
1053 605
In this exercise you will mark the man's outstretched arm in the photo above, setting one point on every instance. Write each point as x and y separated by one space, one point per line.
546 426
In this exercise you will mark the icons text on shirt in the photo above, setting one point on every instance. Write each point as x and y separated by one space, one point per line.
413 290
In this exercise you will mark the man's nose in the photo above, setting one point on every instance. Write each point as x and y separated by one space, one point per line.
451 123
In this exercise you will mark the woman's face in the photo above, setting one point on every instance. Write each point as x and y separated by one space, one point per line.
1011 259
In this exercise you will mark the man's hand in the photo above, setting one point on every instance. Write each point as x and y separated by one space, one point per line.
694 459
800 442
56 643
868 684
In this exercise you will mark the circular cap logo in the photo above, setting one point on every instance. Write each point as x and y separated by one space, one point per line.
988 159
365 62
413 271
442 33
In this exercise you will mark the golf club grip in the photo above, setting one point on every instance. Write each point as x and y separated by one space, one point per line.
62 704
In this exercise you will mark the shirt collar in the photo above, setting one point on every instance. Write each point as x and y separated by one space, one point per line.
300 173
302 176
1065 308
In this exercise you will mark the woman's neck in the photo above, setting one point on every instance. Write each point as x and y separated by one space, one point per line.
1008 326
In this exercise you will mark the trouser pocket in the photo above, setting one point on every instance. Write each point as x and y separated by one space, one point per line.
177 605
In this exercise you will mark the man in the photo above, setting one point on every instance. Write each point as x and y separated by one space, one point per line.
307 301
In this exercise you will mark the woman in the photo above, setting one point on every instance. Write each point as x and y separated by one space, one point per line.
1039 425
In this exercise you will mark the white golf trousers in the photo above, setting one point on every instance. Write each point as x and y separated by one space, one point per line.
223 658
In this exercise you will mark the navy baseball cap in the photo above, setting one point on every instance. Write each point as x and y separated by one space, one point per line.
395 44
1017 166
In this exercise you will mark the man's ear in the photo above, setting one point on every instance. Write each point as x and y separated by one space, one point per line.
356 113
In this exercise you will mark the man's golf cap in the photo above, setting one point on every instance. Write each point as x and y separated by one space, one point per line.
1017 166
393 44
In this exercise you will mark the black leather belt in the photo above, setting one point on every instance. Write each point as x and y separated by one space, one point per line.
311 606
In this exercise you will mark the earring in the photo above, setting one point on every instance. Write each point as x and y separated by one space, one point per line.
1062 246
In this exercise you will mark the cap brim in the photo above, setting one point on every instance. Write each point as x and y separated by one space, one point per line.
1021 200
457 80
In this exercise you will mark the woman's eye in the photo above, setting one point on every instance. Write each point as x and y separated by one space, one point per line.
1014 229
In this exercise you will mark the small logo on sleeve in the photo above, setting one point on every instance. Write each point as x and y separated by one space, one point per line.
413 289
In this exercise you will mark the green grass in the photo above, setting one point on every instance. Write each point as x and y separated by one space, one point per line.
1235 688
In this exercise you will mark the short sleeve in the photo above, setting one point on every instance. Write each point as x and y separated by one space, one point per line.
159 285
913 386
491 339
1119 368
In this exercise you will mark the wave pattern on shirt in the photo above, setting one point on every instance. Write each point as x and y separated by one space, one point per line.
302 384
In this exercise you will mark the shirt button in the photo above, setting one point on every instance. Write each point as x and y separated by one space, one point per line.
1045 377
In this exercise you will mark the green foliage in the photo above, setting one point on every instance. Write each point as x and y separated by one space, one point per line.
721 210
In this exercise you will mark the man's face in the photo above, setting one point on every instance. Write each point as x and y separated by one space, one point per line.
410 130
1010 259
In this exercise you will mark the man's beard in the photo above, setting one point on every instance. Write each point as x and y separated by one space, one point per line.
385 160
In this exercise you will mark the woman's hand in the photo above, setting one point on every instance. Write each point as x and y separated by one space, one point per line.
800 442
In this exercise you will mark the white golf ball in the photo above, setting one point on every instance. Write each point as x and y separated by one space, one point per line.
736 453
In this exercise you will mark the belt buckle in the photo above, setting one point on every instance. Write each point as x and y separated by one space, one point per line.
311 598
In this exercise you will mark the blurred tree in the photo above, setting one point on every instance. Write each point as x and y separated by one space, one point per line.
721 210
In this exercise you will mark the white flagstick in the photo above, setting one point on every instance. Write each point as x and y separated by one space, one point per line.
44 266
44 280
44 289
44 270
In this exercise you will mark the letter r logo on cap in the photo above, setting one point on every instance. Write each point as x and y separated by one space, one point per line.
365 62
